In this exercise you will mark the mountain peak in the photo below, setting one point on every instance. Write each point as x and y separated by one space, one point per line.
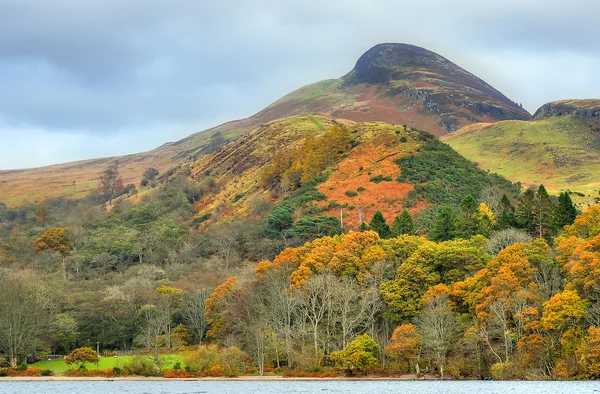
386 61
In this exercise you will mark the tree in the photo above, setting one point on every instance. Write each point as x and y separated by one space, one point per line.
467 222
502 239
360 355
23 316
543 210
506 216
524 211
379 225
403 224
150 173
444 227
81 356
565 212
111 184
403 347
41 213
437 325
193 313
54 239
280 220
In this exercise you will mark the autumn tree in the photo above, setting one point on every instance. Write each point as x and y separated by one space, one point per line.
360 355
81 356
111 184
403 348
54 239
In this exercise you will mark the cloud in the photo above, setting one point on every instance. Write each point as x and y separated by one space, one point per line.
93 72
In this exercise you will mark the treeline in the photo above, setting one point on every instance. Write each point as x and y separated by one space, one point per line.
360 302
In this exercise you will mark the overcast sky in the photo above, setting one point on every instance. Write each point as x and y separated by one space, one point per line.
91 78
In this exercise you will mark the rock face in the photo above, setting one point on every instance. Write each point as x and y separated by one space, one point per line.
581 109
444 88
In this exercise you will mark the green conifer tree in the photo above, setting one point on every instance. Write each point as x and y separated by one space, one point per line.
444 227
467 222
379 225
565 211
403 224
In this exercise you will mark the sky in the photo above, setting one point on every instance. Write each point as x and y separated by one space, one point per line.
95 78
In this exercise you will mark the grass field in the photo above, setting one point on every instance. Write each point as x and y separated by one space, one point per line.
560 152
58 366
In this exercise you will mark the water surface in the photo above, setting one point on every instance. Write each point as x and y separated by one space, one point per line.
292 387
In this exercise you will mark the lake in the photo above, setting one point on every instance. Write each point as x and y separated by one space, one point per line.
291 386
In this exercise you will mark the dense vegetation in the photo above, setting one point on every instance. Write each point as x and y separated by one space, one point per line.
485 280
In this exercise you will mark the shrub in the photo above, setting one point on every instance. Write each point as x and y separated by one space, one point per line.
3 372
140 365
403 140
202 359
505 371
360 355
22 367
351 193
381 178
46 372
361 189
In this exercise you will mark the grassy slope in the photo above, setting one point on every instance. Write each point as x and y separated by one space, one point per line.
378 146
559 152
58 366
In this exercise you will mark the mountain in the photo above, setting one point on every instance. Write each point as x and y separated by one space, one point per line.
559 148
395 83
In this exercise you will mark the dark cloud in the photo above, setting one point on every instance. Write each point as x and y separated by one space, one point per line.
102 73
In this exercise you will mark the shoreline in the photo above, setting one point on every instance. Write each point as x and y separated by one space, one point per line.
206 379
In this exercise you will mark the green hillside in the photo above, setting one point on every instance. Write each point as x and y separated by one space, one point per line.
561 152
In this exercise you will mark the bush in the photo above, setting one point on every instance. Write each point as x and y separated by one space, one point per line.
3 372
505 371
46 372
381 178
361 189
22 367
202 359
140 365
351 193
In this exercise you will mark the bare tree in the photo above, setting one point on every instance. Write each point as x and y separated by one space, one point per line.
193 312
155 324
314 298
438 328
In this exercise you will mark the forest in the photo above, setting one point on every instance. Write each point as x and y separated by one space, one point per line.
487 280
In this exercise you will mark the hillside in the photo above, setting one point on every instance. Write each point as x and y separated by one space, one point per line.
559 148
395 83
385 167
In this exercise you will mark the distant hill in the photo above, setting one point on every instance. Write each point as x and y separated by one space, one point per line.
559 148
396 83
386 167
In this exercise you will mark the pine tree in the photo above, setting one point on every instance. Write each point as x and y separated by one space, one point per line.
443 228
506 217
403 224
379 225
524 211
363 227
467 222
565 211
543 213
